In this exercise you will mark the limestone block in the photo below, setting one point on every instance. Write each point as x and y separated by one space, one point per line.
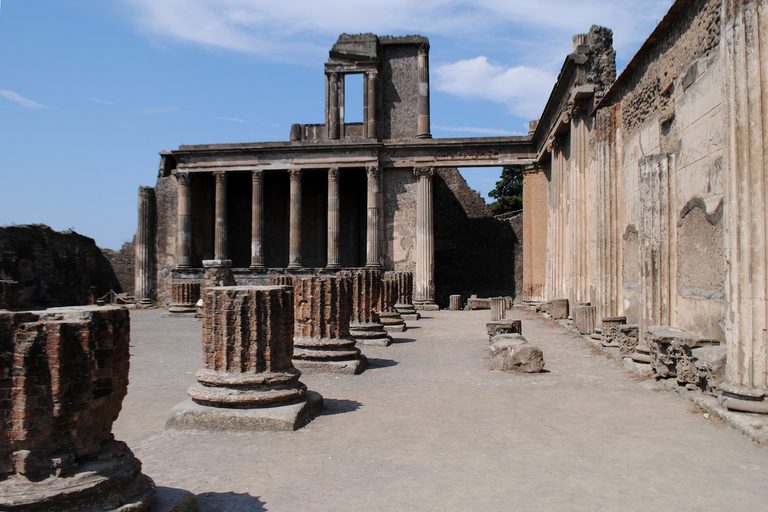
584 318
744 398
710 366
610 330
515 354
558 309
506 326
455 303
475 303
62 383
498 311
671 349
627 338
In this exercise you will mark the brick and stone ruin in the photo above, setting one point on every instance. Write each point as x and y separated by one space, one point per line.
248 380
63 377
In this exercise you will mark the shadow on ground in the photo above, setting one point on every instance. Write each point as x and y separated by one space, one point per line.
374 363
395 339
229 501
333 406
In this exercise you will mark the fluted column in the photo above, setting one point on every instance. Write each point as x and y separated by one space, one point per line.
334 221
144 247
220 232
294 243
257 219
184 227
424 286
332 116
371 120
423 102
373 250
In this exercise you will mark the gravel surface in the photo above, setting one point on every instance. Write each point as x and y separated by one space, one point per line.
428 427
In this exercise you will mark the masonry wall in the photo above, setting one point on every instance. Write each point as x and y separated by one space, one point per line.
399 81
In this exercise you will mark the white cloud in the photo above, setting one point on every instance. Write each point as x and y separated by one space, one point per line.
24 102
474 129
99 100
232 119
523 89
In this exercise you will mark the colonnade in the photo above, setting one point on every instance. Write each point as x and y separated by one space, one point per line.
424 250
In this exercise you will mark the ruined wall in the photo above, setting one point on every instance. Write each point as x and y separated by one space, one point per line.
399 189
670 152
400 88
53 268
123 263
475 253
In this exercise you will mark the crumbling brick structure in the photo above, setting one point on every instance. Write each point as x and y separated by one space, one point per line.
63 377
366 326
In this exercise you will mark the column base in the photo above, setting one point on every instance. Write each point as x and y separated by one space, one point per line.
258 267
427 305
344 367
191 415
744 399
372 334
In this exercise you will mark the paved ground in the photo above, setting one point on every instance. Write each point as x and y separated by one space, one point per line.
428 427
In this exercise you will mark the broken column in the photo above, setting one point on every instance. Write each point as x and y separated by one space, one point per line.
498 311
388 315
404 304
248 381
454 302
63 377
9 294
184 296
511 352
321 340
584 318
365 326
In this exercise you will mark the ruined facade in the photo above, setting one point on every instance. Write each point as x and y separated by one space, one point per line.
336 196
655 183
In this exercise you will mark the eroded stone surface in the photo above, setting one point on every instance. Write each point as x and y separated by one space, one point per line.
511 352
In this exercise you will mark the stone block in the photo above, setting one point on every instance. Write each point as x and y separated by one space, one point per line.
498 310
610 330
506 326
515 354
475 303
627 338
454 302
584 318
558 309
671 349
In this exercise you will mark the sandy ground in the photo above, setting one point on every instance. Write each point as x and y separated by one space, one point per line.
428 427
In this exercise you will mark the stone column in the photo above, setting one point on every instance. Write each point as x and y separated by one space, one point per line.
423 131
373 251
455 302
334 220
248 381
145 248
745 57
294 247
64 377
220 230
333 116
257 219
371 118
184 235
424 289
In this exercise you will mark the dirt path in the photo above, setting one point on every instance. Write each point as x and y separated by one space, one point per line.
428 427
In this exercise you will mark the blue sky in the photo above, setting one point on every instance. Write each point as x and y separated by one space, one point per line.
92 90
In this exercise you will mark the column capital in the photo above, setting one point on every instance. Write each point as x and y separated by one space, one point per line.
373 171
182 177
423 49
257 175
333 174
221 176
424 171
295 174
372 74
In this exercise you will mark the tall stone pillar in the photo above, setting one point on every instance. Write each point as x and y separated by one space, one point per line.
423 131
535 185
334 220
145 248
373 250
184 235
220 230
294 244
257 219
333 118
371 121
424 281
745 55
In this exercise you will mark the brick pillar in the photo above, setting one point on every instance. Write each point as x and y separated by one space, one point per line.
184 296
388 315
404 304
62 385
322 312
365 325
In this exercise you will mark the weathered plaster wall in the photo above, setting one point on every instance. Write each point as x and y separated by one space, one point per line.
399 187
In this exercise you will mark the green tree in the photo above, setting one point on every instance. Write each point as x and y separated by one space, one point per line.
508 193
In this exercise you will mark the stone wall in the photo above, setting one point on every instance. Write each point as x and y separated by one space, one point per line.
53 268
475 253
123 263
399 188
